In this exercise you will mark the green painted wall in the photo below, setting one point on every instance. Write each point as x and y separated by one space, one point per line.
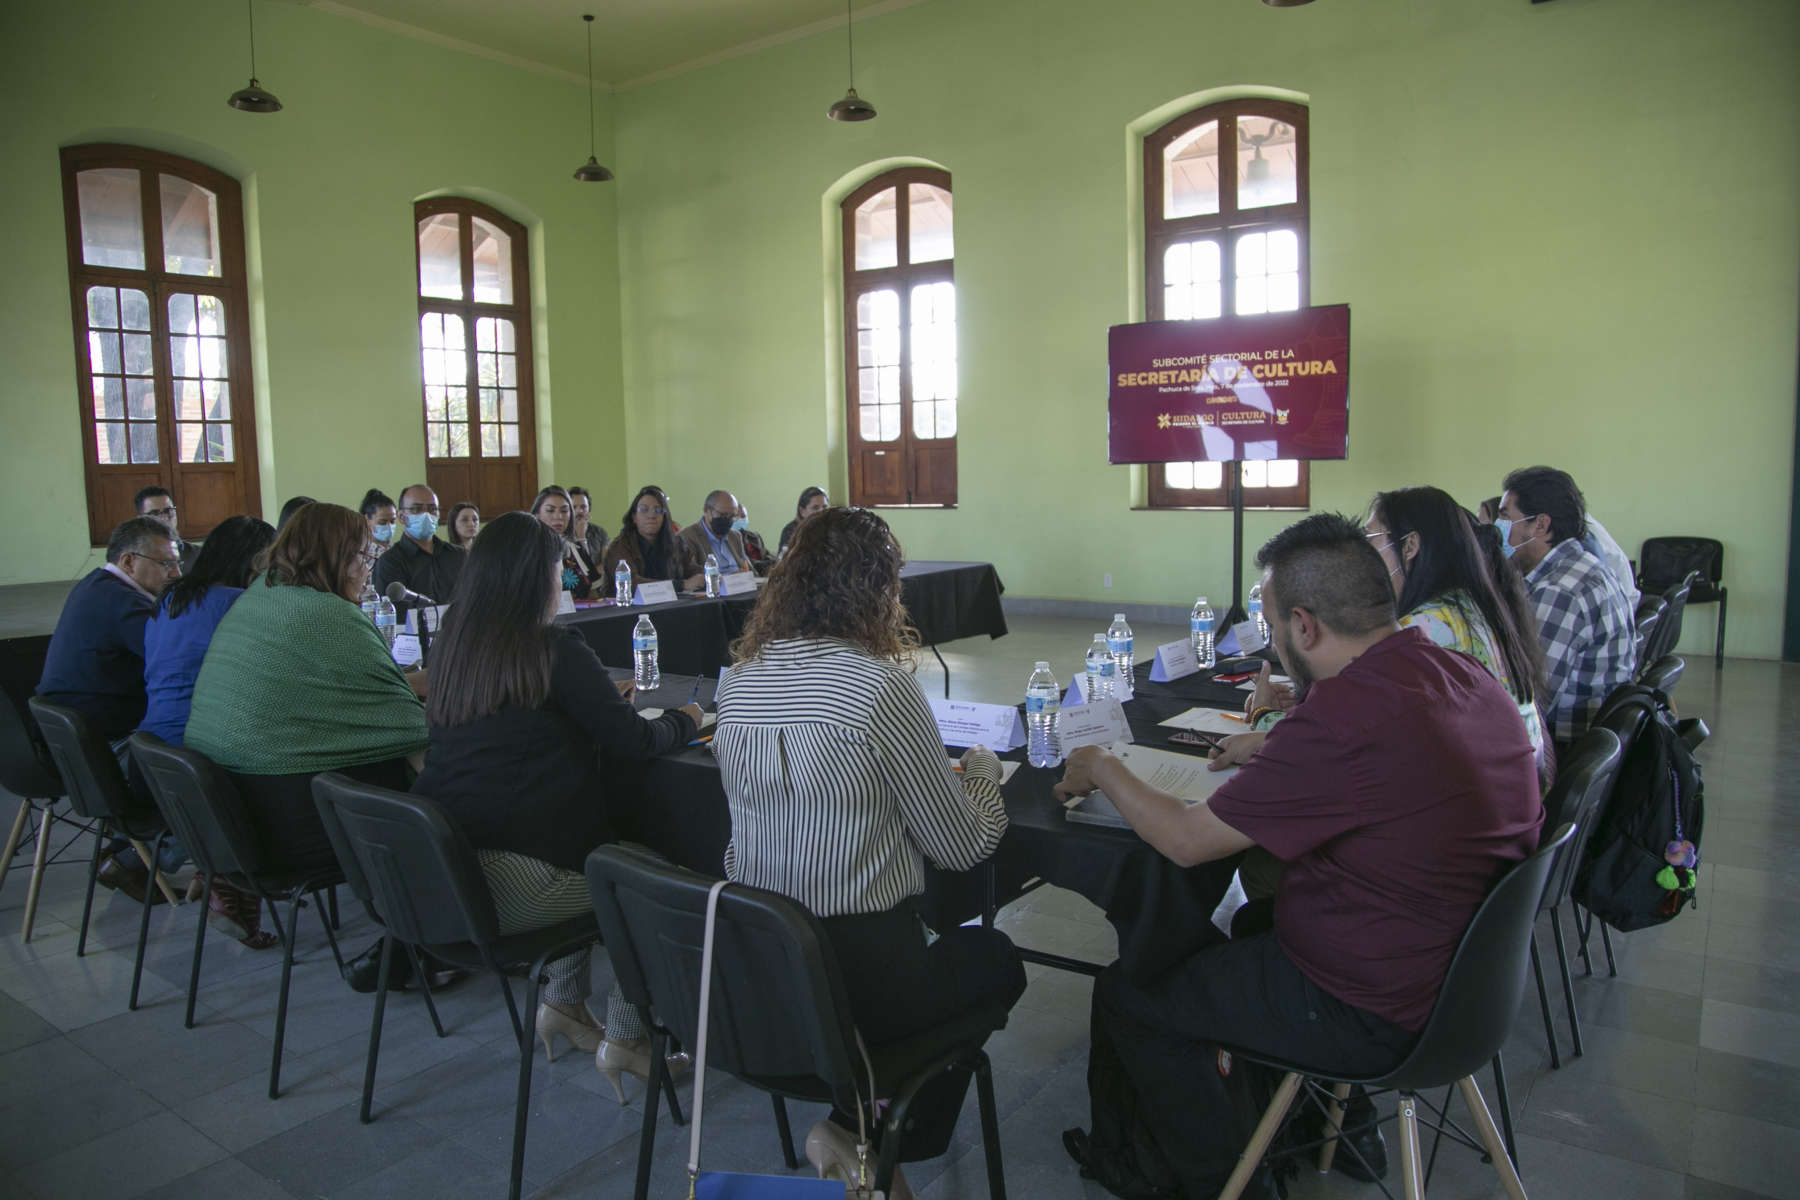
1566 232
372 122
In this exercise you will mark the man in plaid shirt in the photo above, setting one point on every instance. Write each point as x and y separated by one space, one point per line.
1584 621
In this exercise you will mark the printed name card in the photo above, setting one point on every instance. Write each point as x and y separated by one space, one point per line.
738 583
1242 638
961 723
406 649
1174 660
660 592
565 602
1092 725
1077 693
434 617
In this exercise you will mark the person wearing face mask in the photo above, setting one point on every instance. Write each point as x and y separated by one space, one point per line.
1584 621
754 546
420 560
379 510
716 533
1398 790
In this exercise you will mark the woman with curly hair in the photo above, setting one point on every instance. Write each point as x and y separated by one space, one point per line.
840 791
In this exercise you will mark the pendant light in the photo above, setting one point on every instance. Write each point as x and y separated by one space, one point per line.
852 107
253 98
591 171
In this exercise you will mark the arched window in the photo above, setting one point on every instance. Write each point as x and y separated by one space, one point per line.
162 345
900 339
475 355
1227 234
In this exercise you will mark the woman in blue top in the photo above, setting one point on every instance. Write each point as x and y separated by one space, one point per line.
175 642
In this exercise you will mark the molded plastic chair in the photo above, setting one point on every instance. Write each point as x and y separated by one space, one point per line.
1668 630
780 1017
27 771
1664 673
1649 615
1582 787
1474 1010
1666 561
98 793
202 804
428 888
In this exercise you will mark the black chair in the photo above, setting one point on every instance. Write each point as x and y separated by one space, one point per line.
27 771
1582 787
1668 630
202 804
429 891
1666 561
1624 714
1664 673
1474 1010
780 1019
99 794
1649 615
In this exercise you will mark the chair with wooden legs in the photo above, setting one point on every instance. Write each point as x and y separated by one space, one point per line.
27 771
98 793
1474 1011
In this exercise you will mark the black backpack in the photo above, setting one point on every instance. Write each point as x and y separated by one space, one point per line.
1643 858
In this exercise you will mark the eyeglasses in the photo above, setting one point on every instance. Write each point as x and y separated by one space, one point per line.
651 512
416 509
167 564
160 512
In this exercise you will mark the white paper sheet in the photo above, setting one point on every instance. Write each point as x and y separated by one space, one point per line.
1209 720
1181 775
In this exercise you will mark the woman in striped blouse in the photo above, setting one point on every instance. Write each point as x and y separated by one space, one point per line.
840 791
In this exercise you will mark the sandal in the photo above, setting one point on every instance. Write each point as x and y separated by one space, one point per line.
233 912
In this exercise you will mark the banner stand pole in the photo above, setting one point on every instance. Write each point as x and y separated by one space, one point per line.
1237 611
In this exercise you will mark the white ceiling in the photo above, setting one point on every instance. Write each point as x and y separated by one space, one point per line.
635 41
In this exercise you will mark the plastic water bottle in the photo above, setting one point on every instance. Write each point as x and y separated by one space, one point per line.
371 600
1042 698
712 574
1200 632
1256 611
622 583
1119 641
645 673
386 620
1102 670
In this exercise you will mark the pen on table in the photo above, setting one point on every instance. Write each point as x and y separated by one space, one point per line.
1233 717
695 694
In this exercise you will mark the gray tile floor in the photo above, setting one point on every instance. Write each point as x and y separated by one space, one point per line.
1690 1087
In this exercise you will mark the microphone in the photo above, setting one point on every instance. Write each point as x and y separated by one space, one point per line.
399 593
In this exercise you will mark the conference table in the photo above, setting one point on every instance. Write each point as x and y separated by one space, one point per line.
944 600
1162 912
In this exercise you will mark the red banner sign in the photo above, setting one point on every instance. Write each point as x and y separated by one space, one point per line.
1231 388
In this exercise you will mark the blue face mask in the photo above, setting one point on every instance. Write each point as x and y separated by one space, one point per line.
384 533
1505 527
740 523
421 525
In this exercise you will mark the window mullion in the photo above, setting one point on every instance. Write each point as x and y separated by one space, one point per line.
906 386
162 370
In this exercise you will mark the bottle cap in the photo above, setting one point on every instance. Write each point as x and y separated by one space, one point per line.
1201 600
1118 616
1043 666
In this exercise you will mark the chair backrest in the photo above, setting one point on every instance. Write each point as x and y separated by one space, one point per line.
201 803
1668 630
1666 561
1649 611
26 768
1583 785
84 759
418 870
1480 997
1664 673
779 1011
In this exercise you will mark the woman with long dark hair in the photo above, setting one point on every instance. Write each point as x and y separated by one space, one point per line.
648 545
840 793
379 511
519 713
554 508
812 502
463 523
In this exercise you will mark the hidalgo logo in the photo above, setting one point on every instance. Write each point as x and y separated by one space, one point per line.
1281 416
1162 420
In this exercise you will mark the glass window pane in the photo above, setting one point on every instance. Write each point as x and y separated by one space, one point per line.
924 420
1284 293
143 442
190 222
1284 251
109 442
931 238
112 217
493 262
103 307
1191 173
189 406
182 321
136 306
440 257
212 358
490 441
456 402
1268 164
484 333
877 235
1209 475
434 402
431 331
1252 294
218 444
1284 472
509 370
1256 473
218 400
109 397
103 353
454 338
459 441
137 354
140 399
509 441
490 404
1178 475
437 441
1191 281
946 418
890 422
509 404
190 442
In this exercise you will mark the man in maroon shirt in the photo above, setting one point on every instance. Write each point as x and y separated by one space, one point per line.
1398 791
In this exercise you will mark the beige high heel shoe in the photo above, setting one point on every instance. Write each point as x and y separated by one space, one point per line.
553 1023
617 1059
831 1150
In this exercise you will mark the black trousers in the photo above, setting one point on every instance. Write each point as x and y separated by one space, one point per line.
1165 1037
289 834
899 987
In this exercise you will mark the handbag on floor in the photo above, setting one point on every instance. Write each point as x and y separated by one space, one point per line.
729 1185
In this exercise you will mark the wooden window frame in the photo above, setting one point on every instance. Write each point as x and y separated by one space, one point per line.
1228 223
507 482
110 487
925 462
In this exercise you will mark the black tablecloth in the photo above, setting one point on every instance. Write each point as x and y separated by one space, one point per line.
945 601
